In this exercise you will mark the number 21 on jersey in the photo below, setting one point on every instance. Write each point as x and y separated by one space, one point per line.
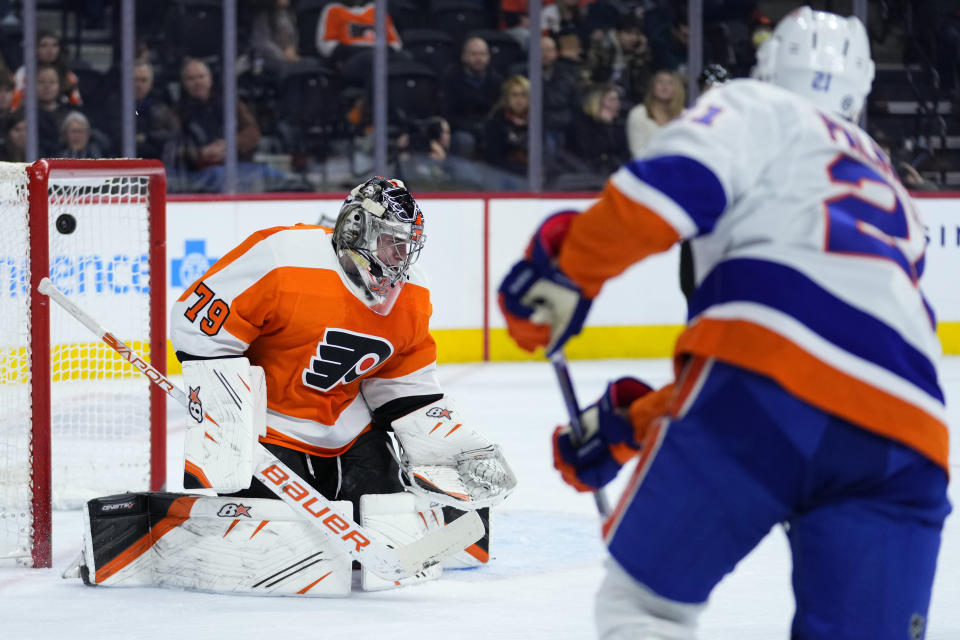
872 219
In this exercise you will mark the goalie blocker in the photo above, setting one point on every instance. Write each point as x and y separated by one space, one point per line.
227 403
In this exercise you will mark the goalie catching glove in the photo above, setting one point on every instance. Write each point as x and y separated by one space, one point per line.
448 461
228 414
609 438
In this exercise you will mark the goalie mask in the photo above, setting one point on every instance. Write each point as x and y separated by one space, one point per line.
822 57
378 236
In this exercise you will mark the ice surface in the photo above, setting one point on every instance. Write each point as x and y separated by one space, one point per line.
540 585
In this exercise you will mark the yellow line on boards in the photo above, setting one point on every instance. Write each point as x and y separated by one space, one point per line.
466 345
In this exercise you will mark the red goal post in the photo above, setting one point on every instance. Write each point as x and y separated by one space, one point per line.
76 421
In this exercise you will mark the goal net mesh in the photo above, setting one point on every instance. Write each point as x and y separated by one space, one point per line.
99 405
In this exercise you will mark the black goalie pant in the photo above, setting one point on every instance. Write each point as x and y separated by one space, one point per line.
366 467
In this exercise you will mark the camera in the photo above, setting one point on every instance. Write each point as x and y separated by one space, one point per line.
422 132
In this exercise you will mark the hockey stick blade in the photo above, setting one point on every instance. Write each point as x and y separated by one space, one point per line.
439 543
388 562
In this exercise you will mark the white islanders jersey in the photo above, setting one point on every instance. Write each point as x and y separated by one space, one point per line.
807 251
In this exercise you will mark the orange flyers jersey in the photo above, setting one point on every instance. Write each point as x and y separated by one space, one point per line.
353 26
279 298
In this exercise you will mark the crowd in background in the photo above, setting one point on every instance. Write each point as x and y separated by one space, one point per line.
613 72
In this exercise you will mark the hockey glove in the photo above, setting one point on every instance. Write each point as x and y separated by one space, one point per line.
228 413
542 306
609 438
447 460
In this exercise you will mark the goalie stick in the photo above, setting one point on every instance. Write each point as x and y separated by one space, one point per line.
559 362
388 562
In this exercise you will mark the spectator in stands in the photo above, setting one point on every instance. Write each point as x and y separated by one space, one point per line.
75 138
158 129
912 179
8 13
50 53
596 135
561 15
469 91
275 37
902 164
6 93
664 101
514 15
561 93
344 28
603 15
424 156
15 137
514 19
570 55
506 130
424 159
937 28
52 107
621 57
759 29
564 16
569 47
201 115
667 32
430 136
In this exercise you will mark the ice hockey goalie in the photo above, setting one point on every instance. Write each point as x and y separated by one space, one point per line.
315 343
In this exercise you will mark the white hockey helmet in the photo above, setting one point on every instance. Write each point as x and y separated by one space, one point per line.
821 56
378 236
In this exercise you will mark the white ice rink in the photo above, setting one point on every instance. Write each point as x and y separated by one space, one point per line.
540 584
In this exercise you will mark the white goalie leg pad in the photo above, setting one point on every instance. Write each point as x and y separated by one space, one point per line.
222 545
394 518
628 610
449 461
228 413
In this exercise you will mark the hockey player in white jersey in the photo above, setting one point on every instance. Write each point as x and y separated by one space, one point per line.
807 387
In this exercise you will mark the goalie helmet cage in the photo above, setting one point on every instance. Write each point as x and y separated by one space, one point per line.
76 421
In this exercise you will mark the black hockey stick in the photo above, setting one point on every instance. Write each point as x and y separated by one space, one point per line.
388 562
559 362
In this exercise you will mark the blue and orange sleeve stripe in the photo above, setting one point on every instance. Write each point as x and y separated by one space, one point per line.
609 237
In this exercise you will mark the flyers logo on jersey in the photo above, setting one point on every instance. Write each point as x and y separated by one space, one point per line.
343 356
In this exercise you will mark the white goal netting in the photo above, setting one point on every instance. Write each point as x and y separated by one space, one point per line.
99 406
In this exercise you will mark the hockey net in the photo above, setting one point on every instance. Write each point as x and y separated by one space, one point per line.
77 421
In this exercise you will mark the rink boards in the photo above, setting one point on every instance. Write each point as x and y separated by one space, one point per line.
472 239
